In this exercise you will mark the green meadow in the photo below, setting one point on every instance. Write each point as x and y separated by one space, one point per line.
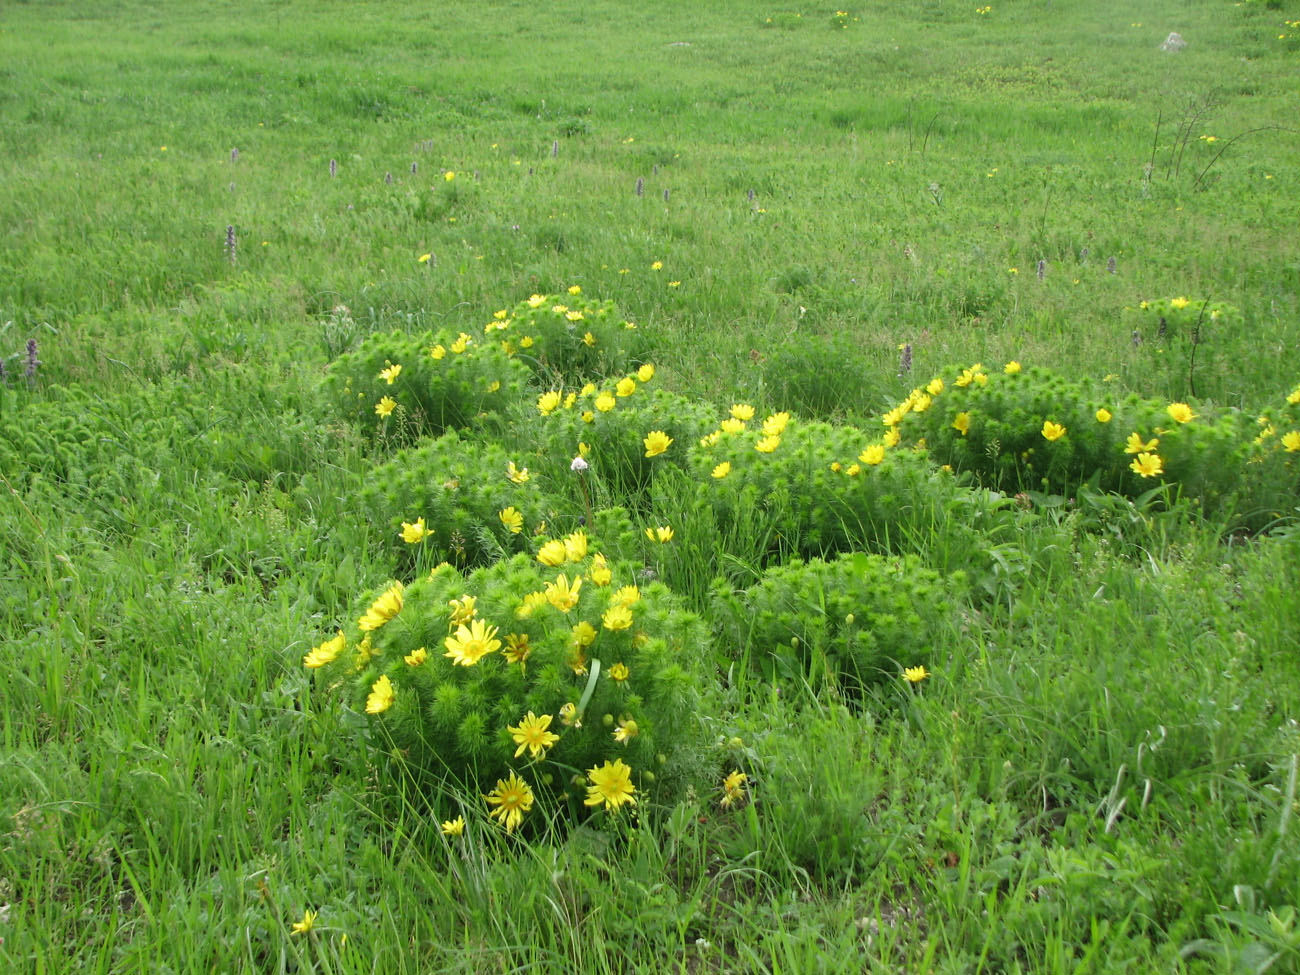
597 487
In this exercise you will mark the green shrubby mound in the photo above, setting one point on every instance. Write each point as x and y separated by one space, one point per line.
1033 430
404 386
549 684
568 336
465 501
861 619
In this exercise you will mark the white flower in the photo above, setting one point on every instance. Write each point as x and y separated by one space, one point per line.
578 465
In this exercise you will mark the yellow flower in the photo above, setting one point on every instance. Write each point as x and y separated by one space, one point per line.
742 411
536 301
711 440
518 647
674 284
412 534
605 402
454 827
626 386
1291 441
1147 465
935 386
308 916
775 424
517 474
600 572
853 470
583 635
471 643
872 455
656 442
891 437
462 342
722 470
662 534
449 175
383 609
1011 368
611 785
1103 415
531 735
417 657
733 788
732 425
512 798
385 406
657 266
437 352
569 715
526 342
588 416
588 339
646 373
1181 412
512 519
914 675
575 546
617 617
327 652
618 672
1293 397
627 730
1135 445
961 423
548 402
895 416
1179 303
462 610
921 403
561 595
1052 431
494 385
553 553
767 444
626 596
381 696
390 374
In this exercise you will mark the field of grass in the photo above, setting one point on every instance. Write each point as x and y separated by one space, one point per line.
954 693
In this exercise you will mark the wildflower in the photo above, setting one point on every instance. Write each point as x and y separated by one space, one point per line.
1147 465
1181 412
413 534
424 258
554 553
390 374
605 402
742 411
732 425
921 403
1011 368
617 617
308 916
449 175
461 344
494 385
531 735
1291 441
961 423
853 470
722 470
1293 397
517 474
600 572
767 444
935 386
417 657
626 386
627 730
454 827
872 455
588 339
512 798
327 652
511 519
471 643
462 610
611 785
381 696
661 535
575 289
561 595
618 672
895 416
383 609
646 373
733 789
530 602
588 416
775 424
437 352
518 647
656 442
1178 303
1103 415
575 546
1134 445
891 437
569 715
385 406
626 596
526 342
536 301
711 440
548 402
674 284
914 675
657 266
1052 431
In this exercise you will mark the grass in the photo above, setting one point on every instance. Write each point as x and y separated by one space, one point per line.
1100 772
